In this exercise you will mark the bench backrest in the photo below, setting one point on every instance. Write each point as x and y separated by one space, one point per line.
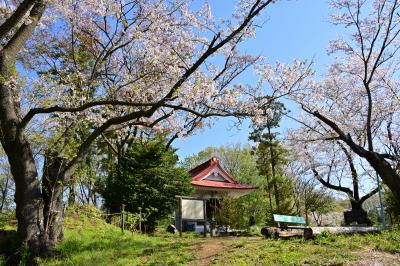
289 219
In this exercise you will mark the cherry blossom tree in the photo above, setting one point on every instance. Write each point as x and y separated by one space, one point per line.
72 70
357 100
336 167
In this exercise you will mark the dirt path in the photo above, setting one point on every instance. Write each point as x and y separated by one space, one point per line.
376 258
207 250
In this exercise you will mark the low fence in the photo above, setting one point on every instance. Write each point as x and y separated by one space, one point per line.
123 219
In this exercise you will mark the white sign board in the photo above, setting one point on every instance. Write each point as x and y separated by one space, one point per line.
192 209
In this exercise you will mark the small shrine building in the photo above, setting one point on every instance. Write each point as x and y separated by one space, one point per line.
213 183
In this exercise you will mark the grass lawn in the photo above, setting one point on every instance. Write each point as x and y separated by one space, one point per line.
93 242
323 250
90 241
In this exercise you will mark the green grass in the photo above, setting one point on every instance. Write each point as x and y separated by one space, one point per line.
114 248
325 249
90 241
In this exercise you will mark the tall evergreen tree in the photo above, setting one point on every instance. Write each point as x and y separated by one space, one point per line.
271 159
146 179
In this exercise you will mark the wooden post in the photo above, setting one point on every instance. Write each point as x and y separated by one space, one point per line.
140 220
122 217
180 216
205 217
212 222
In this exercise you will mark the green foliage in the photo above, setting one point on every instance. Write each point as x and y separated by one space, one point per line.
392 206
86 210
24 253
252 208
314 200
146 180
8 220
271 159
227 214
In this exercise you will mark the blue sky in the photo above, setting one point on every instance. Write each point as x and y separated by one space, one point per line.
293 29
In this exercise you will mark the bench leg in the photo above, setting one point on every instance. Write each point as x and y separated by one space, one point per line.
308 233
270 232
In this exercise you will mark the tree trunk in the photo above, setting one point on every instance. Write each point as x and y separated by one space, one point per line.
52 190
268 187
72 194
27 197
388 174
273 170
4 194
28 200
357 214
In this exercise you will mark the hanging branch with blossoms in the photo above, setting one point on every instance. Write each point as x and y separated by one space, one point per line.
357 100
327 160
87 67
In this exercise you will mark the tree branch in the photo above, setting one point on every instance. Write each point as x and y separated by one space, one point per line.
15 18
26 30
331 186
213 47
343 136
367 196
353 170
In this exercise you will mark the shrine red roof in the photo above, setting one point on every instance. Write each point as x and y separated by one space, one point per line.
211 174
217 184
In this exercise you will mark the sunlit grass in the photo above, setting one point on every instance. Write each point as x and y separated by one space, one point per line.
91 241
325 249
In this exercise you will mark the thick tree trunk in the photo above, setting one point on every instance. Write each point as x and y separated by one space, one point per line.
28 199
22 164
52 190
388 174
27 192
357 214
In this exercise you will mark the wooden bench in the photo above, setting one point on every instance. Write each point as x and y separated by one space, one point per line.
285 223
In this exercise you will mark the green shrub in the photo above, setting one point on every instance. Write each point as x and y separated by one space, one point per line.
8 220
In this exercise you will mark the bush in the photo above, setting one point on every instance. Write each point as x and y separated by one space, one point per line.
8 220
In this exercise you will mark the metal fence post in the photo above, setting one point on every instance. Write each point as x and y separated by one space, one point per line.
180 217
140 221
205 217
122 217
380 202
